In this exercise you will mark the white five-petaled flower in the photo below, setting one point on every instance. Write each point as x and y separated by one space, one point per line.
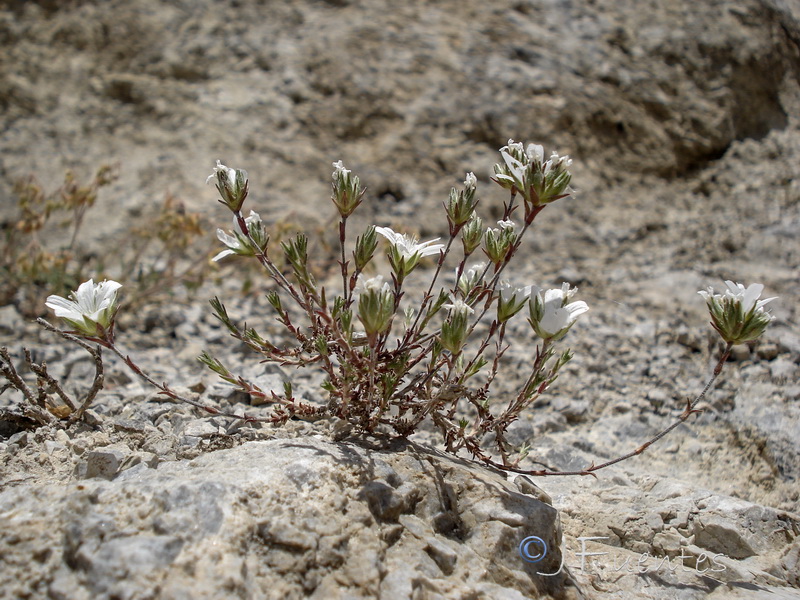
471 181
238 242
91 309
408 246
230 174
552 314
749 296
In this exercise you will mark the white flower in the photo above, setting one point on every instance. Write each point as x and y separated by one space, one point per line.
748 297
508 292
474 272
458 307
535 153
507 224
376 305
738 314
227 172
470 278
408 246
370 284
512 299
92 305
471 181
513 146
557 163
553 314
238 242
340 170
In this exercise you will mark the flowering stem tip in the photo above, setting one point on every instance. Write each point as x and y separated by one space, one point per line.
91 308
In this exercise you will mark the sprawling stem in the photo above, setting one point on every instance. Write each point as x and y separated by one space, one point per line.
691 408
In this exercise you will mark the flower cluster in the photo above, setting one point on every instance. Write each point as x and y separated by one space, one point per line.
391 374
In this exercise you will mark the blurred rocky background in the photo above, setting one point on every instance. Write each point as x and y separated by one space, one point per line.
682 118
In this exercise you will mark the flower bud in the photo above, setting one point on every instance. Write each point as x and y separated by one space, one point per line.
470 279
375 305
498 242
455 327
347 194
365 248
232 185
461 205
472 235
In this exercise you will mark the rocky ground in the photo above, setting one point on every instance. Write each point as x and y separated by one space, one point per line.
683 121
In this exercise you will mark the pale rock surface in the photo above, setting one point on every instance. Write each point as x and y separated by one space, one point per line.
682 117
287 518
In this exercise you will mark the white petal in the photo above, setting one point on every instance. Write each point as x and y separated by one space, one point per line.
535 152
750 296
513 165
553 297
223 254
760 304
388 234
228 240
63 308
554 320
576 309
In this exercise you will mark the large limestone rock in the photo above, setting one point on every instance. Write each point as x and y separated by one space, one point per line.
289 518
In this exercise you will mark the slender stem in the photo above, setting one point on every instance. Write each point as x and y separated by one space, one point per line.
273 271
537 367
10 373
426 298
97 384
164 389
41 372
343 259
590 470
373 366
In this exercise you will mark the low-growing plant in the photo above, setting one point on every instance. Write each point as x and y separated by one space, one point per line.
394 360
